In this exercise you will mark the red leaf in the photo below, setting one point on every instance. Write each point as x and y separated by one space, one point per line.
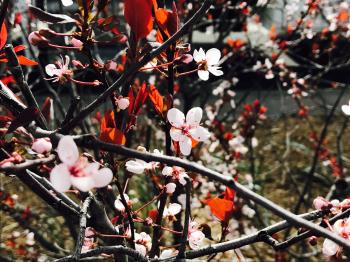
3 35
168 21
47 109
26 61
131 100
19 48
229 194
138 14
109 133
221 208
157 99
140 98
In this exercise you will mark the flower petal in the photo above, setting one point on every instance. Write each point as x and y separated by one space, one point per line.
123 103
175 134
195 239
84 183
329 248
60 178
68 151
199 56
175 117
203 74
136 166
213 56
200 133
103 177
50 69
167 171
185 145
92 168
174 208
215 70
194 116
170 188
346 109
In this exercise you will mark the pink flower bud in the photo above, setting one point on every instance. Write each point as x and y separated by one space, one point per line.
170 188
42 145
123 103
313 241
186 58
321 203
36 39
77 43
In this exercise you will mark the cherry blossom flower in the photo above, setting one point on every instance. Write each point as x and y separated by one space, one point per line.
138 166
171 211
61 73
195 236
176 172
342 228
88 240
118 204
77 171
207 62
143 243
346 109
42 145
237 143
122 102
321 203
184 130
168 253
67 2
77 43
170 188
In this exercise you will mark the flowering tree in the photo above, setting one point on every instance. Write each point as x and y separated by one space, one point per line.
159 155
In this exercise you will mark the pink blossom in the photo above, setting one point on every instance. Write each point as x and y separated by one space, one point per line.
342 228
61 73
170 188
168 253
321 203
77 171
195 236
176 172
208 62
171 211
138 166
143 243
346 109
184 130
35 38
42 145
118 204
76 42
122 103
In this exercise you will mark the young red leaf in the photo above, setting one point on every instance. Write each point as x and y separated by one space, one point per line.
19 48
131 100
3 35
221 208
47 109
157 99
26 61
138 14
109 133
168 21
229 194
140 98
